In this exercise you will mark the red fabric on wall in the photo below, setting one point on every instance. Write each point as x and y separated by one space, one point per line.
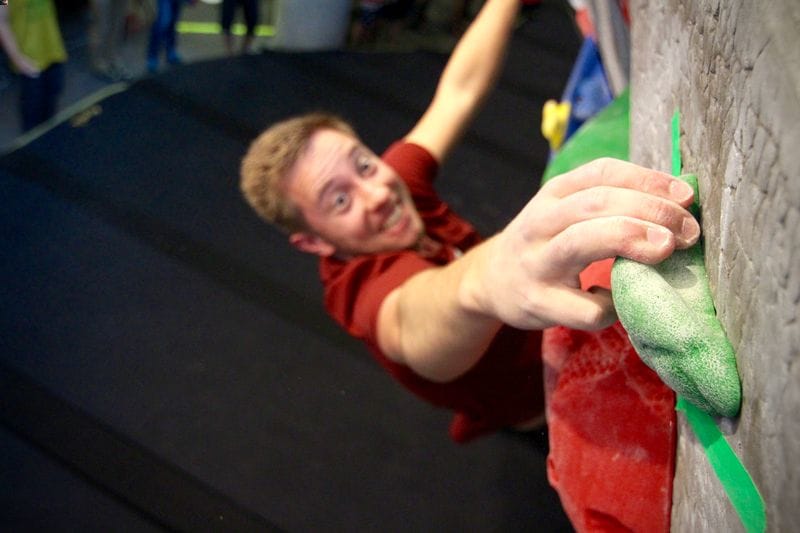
612 427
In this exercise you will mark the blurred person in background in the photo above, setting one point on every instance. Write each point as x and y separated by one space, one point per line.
31 37
250 12
106 33
163 35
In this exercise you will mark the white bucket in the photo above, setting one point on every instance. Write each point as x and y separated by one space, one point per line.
311 24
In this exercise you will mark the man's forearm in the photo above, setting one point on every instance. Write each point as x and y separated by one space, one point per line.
468 77
429 324
478 56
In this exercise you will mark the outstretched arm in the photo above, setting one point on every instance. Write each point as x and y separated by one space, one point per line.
441 320
467 78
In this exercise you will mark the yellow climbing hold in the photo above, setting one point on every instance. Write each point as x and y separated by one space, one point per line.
555 117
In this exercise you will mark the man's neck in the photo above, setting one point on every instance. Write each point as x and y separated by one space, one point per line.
428 247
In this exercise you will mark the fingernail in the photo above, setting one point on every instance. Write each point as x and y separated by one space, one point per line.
680 190
658 236
690 229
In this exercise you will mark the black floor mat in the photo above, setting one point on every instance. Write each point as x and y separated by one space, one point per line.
166 361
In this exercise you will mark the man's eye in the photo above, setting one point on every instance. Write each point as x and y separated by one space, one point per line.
340 200
364 164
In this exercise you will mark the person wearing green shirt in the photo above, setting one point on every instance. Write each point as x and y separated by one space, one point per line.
31 37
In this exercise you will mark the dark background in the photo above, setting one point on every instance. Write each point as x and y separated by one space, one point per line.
166 361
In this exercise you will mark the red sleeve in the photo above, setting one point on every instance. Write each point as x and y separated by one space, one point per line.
354 291
413 162
418 168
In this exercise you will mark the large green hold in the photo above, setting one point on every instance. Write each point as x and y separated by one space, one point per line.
669 315
666 309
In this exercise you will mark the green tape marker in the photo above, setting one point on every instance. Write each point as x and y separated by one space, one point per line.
738 485
676 145
736 481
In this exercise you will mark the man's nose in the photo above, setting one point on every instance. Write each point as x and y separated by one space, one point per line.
376 193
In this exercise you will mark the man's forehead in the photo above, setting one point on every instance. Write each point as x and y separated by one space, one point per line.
329 138
328 151
325 156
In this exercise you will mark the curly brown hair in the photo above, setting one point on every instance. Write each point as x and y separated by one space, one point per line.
271 157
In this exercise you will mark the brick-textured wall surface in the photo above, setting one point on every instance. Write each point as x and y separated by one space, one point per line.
732 68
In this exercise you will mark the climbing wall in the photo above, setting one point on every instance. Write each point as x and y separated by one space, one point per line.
732 69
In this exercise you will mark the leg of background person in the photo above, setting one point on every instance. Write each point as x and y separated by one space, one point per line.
39 96
116 35
106 33
157 33
251 15
98 30
170 41
227 10
30 101
52 85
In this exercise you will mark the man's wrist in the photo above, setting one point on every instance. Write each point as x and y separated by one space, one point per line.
472 293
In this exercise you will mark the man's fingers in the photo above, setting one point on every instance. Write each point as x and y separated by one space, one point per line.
600 238
617 173
584 310
603 202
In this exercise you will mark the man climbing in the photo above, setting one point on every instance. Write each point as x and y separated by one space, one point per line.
457 319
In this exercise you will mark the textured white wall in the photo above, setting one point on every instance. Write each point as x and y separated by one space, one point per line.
733 69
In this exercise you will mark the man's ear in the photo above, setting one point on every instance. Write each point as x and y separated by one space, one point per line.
312 244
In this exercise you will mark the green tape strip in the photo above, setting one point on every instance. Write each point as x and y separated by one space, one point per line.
676 144
735 480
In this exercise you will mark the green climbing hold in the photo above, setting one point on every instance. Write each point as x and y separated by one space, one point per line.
669 315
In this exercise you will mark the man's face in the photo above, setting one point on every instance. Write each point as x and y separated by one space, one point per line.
353 202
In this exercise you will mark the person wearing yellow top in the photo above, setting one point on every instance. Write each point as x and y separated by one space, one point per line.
31 37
